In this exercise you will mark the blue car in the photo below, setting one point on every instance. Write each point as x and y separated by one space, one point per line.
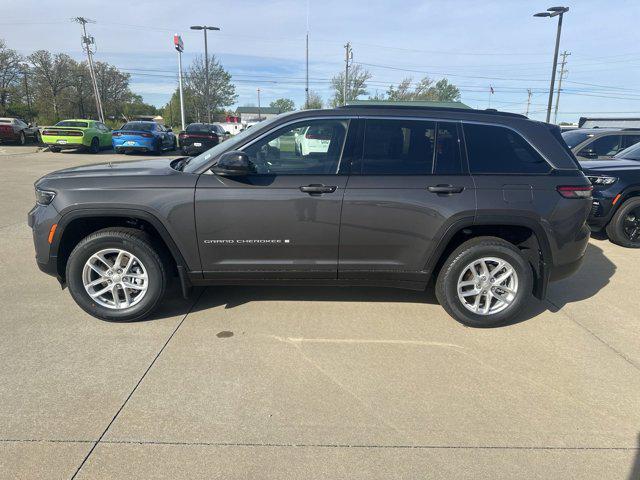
143 137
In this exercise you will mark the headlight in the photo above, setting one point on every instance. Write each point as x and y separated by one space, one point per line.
602 181
44 197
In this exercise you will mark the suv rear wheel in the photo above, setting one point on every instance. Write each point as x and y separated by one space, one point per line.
485 282
116 274
624 227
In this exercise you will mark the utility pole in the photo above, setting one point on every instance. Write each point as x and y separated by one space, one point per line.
526 114
306 88
348 56
259 111
206 66
87 42
179 46
565 54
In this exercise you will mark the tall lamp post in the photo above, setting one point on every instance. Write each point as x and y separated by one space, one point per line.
206 64
554 12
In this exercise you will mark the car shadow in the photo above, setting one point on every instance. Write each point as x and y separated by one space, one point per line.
594 275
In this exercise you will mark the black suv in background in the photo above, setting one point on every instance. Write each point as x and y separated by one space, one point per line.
616 196
490 205
600 143
200 137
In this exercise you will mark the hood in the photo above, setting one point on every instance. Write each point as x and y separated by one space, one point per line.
160 166
614 165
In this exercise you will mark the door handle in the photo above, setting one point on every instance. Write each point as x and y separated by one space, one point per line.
445 189
317 189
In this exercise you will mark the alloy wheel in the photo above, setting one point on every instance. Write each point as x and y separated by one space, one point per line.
487 286
631 225
115 278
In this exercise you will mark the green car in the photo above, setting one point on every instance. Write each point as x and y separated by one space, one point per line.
72 134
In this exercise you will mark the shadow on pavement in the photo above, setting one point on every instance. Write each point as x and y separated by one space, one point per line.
635 469
594 274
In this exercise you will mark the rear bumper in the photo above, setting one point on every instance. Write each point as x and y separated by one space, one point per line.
146 145
9 137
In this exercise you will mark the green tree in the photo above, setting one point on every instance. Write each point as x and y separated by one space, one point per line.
356 85
315 100
222 93
424 90
9 75
283 104
53 75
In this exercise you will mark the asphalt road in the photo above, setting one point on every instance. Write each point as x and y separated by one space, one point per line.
326 383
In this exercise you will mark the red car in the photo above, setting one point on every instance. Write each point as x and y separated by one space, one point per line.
16 131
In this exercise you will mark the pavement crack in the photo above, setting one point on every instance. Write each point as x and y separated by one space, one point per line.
600 339
175 330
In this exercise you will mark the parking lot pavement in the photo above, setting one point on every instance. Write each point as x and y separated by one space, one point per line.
246 382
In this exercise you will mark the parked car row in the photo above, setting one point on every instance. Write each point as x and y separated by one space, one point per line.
134 136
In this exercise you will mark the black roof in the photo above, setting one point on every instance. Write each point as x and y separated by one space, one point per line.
381 106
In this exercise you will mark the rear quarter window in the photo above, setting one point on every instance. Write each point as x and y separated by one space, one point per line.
498 150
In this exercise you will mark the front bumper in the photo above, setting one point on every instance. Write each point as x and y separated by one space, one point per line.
41 219
602 209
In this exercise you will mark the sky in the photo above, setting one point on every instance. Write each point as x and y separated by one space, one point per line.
474 44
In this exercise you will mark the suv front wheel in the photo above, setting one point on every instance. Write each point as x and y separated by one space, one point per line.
116 274
485 282
624 228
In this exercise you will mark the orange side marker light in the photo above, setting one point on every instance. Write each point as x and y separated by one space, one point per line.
52 232
615 200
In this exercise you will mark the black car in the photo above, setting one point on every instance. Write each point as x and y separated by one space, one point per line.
616 196
200 137
489 205
600 143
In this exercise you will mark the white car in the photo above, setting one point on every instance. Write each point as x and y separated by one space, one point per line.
312 139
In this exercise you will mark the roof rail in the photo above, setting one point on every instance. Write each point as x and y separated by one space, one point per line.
488 111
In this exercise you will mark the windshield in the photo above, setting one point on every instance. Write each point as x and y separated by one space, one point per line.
631 153
70 123
196 162
575 137
138 126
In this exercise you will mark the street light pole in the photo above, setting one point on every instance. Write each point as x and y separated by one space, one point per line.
179 46
206 66
552 12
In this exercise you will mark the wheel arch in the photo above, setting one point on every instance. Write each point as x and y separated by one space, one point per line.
523 232
77 224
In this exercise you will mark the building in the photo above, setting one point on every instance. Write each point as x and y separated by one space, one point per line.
250 115
587 122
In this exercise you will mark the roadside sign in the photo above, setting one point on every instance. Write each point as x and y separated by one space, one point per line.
177 42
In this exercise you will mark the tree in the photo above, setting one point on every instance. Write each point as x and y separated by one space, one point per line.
222 93
315 100
424 90
356 85
283 104
9 75
53 77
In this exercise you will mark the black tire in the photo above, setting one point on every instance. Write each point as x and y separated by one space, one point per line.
624 227
454 266
95 146
55 149
157 150
22 139
137 243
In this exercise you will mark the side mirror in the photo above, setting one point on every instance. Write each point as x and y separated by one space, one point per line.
227 132
233 164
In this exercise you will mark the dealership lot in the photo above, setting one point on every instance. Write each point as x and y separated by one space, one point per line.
248 382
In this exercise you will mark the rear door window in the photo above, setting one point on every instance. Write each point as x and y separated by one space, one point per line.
499 150
398 147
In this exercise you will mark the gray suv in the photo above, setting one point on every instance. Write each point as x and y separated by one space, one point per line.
489 205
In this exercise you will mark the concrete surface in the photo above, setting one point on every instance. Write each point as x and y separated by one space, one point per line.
311 382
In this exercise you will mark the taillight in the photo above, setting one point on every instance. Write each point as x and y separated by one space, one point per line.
146 135
571 191
116 134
